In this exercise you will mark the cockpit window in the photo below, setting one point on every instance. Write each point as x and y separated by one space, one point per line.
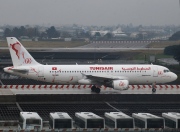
166 71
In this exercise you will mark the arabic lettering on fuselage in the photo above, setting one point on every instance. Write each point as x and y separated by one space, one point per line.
136 68
101 68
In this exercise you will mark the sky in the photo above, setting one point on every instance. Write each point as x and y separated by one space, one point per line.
89 12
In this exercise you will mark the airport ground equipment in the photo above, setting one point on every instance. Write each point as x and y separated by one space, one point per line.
59 120
147 120
89 120
118 120
30 121
172 119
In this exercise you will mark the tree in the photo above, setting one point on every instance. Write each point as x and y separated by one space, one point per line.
32 32
140 36
43 35
65 34
16 32
108 36
175 36
97 34
52 32
177 53
7 32
173 50
22 31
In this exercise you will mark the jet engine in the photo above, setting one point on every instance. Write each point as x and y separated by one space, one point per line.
120 84
85 81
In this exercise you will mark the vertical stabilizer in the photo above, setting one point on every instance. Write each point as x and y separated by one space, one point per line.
20 56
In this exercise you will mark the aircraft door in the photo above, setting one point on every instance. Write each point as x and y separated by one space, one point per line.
41 71
155 71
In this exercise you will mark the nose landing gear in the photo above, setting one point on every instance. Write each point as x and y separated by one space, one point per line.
153 90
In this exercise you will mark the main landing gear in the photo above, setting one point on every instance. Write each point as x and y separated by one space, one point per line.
95 89
153 88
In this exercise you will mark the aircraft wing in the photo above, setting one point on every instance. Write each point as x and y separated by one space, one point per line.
104 77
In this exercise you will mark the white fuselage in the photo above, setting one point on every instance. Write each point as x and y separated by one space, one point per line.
71 74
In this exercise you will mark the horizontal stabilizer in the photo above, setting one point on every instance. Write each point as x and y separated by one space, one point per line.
20 70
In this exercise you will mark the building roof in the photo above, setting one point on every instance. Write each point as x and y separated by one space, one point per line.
144 116
60 115
117 115
171 115
27 115
87 115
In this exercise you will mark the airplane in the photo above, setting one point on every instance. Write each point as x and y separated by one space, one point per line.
118 77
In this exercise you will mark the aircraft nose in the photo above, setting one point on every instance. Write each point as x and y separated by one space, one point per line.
174 76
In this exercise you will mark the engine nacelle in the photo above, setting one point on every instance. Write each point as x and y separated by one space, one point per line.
85 81
120 84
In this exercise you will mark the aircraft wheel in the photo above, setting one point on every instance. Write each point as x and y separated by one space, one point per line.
153 90
97 90
93 88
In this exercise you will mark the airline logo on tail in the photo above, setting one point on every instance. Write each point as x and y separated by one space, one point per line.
17 49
